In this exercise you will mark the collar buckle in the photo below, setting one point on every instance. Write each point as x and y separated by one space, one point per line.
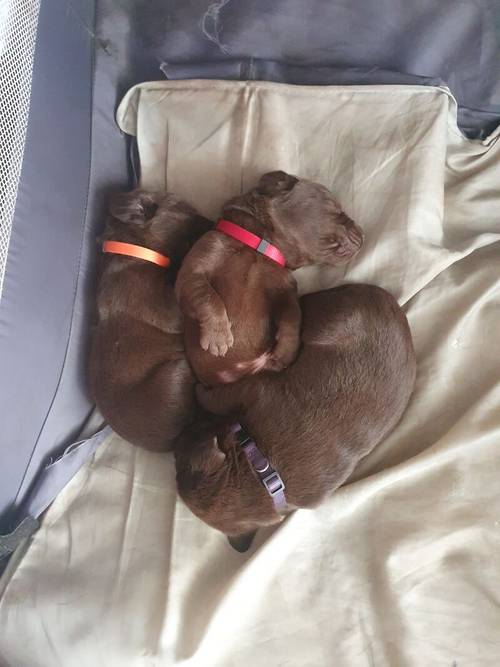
273 483
267 475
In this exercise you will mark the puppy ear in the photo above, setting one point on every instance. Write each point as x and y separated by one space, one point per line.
276 182
242 542
136 207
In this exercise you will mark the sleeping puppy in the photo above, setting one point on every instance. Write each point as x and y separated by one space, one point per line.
307 427
239 299
139 377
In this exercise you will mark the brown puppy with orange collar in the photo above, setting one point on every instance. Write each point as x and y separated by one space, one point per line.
139 376
305 429
240 302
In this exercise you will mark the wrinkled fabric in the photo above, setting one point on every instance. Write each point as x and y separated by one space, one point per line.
400 566
292 41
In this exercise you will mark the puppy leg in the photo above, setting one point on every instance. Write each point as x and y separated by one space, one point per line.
216 335
287 316
199 300
197 297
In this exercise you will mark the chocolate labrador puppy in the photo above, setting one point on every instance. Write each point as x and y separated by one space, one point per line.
239 298
303 430
139 375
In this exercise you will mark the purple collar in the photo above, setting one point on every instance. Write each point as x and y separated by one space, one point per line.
268 476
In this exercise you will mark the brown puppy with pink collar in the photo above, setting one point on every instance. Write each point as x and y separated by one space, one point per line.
305 429
239 300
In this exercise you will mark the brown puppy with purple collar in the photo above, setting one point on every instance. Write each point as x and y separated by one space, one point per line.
241 305
311 424
139 376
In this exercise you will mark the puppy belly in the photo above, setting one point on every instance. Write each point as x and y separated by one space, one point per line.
240 360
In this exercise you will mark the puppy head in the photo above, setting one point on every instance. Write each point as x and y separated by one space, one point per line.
306 222
216 483
157 220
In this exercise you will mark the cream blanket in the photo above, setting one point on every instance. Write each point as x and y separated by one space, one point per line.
400 567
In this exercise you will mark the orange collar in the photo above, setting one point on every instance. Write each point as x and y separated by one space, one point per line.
138 251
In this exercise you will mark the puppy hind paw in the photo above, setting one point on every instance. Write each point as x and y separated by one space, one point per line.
282 357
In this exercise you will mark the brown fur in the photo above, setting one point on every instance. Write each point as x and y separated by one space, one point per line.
139 376
242 311
314 422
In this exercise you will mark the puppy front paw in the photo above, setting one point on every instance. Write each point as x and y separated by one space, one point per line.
216 337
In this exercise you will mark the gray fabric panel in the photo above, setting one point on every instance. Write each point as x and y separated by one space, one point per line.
266 70
44 254
45 309
108 172
457 43
9 543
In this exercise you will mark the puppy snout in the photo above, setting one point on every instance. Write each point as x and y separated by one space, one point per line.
355 236
346 242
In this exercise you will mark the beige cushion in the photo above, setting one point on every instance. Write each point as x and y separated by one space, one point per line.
400 567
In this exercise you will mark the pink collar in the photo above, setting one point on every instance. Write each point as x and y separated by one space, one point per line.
251 240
